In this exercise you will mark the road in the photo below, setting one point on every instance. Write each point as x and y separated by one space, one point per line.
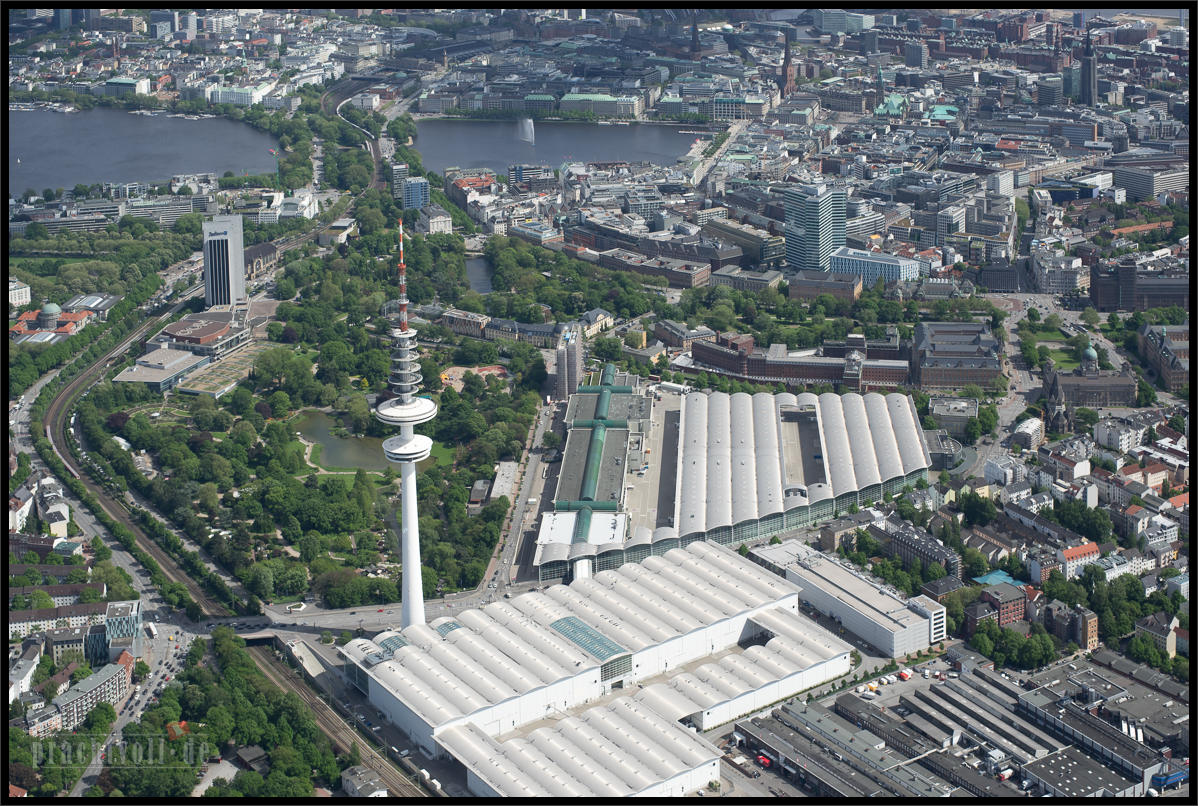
165 663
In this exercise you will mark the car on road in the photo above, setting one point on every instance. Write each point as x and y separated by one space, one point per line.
380 610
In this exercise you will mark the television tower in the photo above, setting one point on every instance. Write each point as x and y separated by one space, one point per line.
407 448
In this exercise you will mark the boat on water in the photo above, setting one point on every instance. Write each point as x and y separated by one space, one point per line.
622 123
605 123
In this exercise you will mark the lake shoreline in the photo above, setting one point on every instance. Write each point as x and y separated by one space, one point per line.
110 145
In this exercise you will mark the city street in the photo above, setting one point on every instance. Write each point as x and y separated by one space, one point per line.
164 660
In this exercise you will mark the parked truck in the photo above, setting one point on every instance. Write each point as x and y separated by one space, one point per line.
1006 774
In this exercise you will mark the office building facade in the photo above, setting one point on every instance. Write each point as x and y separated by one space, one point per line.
224 261
815 225
873 266
416 192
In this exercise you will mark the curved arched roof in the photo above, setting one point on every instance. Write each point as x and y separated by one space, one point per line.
881 429
719 461
743 466
692 473
837 454
768 459
732 469
912 449
856 423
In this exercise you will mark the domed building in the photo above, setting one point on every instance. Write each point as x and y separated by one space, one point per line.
50 325
1086 386
47 317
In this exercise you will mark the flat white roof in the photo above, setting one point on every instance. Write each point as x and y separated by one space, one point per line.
555 538
833 579
457 666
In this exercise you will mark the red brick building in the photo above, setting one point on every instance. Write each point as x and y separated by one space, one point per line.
1008 600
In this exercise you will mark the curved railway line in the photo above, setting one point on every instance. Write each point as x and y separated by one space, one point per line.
56 417
56 424
341 734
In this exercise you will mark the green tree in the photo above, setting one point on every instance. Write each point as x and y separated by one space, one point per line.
978 511
606 349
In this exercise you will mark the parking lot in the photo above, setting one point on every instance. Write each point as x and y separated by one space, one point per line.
888 694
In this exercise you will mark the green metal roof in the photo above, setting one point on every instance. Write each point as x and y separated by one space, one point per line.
587 638
587 96
393 643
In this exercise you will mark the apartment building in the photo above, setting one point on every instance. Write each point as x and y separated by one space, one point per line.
1075 558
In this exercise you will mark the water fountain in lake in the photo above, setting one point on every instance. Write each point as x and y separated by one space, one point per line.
526 132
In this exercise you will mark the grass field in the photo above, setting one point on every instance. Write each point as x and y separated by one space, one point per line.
1044 333
1064 359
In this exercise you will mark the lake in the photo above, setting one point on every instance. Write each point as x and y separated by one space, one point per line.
344 452
478 273
57 149
495 144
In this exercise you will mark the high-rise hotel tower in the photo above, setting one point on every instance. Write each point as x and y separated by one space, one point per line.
224 261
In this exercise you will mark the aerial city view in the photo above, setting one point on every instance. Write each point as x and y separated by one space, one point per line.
593 402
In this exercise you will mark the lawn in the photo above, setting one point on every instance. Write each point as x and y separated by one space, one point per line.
443 454
1063 359
1044 333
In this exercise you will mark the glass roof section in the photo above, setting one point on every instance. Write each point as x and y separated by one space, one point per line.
587 638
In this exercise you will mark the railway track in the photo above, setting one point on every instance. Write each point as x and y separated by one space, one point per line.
56 424
341 734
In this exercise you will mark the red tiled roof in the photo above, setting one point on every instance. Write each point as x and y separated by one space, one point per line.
1133 509
1084 550
1180 500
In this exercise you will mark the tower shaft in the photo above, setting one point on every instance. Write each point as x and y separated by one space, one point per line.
412 610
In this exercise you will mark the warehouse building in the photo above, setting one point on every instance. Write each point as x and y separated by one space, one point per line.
1069 773
741 467
549 693
753 466
871 611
